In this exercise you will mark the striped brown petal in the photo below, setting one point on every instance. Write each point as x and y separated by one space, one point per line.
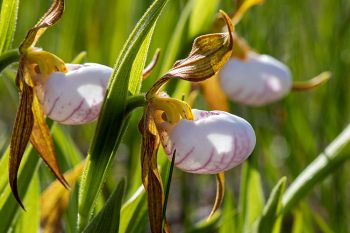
150 173
43 143
50 18
208 55
21 132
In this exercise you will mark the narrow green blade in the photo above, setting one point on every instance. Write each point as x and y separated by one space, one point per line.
228 219
251 196
111 124
107 220
9 207
134 213
8 18
207 226
270 217
29 221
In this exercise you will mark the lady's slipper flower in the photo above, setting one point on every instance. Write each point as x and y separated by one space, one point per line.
256 80
250 78
74 97
212 142
30 121
202 142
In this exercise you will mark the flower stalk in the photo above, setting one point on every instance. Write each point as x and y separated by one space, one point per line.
325 163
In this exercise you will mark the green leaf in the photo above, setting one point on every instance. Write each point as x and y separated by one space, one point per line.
228 218
139 64
70 216
9 208
270 217
8 18
297 221
111 126
134 213
3 167
29 221
107 220
303 221
251 196
202 17
207 226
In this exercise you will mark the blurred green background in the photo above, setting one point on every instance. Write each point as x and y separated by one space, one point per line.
309 36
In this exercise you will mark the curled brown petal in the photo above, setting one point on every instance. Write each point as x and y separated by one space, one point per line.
150 173
208 55
50 18
43 143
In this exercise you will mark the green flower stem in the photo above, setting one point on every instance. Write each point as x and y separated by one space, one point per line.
8 58
134 102
326 163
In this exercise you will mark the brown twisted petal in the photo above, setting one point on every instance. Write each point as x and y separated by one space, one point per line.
30 125
208 55
50 18
150 174
43 143
29 116
21 132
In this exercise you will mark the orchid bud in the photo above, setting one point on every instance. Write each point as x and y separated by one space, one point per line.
256 81
75 97
213 142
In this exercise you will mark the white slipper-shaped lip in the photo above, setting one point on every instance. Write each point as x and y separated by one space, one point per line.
76 97
256 81
214 142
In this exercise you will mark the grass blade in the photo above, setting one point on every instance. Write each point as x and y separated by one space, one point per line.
207 225
107 220
9 208
110 126
134 213
228 218
8 18
251 196
270 216
29 221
